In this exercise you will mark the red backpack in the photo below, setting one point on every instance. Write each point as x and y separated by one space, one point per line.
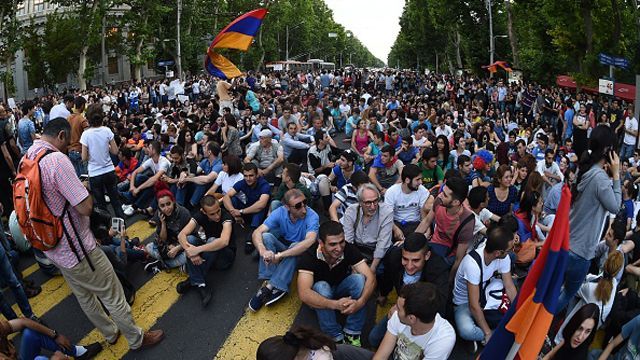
38 224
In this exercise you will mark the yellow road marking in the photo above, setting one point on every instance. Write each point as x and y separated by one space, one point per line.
30 270
152 301
392 298
253 328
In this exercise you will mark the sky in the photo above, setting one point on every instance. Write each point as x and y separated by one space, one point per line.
374 22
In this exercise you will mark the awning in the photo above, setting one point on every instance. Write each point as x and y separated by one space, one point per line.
623 91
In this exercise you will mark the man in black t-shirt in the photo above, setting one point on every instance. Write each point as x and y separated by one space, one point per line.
207 241
334 276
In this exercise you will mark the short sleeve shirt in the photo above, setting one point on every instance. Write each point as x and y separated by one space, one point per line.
214 228
61 185
468 271
446 225
436 344
310 262
253 194
292 232
163 164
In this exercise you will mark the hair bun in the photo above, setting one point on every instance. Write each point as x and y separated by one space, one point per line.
291 339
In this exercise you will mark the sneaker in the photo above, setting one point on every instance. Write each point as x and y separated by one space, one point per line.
154 266
353 340
107 199
205 295
92 351
276 294
183 286
260 298
128 210
248 247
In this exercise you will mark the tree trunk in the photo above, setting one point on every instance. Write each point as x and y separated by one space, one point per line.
513 40
450 63
617 23
82 63
137 68
586 6
458 55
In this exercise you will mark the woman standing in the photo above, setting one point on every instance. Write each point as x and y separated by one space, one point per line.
97 146
580 126
502 194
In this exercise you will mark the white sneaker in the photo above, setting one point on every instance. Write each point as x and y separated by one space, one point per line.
128 210
107 199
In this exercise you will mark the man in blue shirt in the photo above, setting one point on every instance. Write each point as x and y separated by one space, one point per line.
208 171
26 128
568 121
247 200
286 234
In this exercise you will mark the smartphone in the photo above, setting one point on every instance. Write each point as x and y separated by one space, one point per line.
117 225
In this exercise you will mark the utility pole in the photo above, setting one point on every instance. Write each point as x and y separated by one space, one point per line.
286 57
103 49
179 55
491 45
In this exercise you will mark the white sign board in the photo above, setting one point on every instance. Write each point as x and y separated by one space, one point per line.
183 98
605 87
277 67
516 76
12 103
169 74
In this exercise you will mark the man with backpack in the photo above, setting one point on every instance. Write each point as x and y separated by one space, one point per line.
474 274
53 209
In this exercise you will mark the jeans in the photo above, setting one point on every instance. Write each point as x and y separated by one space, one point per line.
577 269
145 196
339 124
9 278
107 183
177 261
352 287
467 328
33 342
254 220
197 193
78 164
626 151
377 333
221 259
275 204
280 274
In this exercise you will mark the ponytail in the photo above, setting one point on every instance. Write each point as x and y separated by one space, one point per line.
605 283
602 141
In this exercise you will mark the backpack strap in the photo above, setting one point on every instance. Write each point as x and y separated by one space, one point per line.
481 284
454 243
70 241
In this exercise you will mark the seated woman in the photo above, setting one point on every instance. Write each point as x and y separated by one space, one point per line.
577 335
231 173
298 343
527 216
37 337
172 218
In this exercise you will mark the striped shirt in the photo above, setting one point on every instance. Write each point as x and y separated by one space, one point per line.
347 196
61 185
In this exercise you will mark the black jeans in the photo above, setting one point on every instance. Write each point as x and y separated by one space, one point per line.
107 184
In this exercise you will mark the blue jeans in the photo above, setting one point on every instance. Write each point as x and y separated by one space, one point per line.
33 342
78 164
467 328
339 124
254 220
196 191
221 259
145 196
280 274
377 333
577 269
10 279
177 261
275 204
352 287
626 151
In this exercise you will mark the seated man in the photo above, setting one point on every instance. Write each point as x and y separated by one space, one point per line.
287 233
347 195
333 276
141 185
407 264
475 271
344 168
410 202
295 145
206 174
368 225
290 180
386 168
214 249
268 156
631 334
432 173
320 163
179 165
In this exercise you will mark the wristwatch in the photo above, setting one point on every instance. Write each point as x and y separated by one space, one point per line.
55 334
241 211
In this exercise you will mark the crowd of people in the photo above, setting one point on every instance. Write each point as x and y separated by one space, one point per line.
354 183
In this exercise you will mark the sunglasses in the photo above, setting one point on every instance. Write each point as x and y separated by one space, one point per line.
371 202
299 205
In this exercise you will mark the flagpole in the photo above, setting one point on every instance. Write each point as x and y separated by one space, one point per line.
513 352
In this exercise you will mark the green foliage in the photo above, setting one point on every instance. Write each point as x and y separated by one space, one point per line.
552 37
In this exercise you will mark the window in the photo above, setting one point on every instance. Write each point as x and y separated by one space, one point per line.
21 8
113 65
38 5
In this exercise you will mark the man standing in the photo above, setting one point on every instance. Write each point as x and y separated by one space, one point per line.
630 134
297 227
26 127
62 109
216 248
333 276
84 266
78 124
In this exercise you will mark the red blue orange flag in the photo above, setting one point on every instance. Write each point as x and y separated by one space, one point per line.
494 67
239 35
523 328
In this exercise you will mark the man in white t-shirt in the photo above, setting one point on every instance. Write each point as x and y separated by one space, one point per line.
141 191
470 282
409 202
549 170
630 134
62 109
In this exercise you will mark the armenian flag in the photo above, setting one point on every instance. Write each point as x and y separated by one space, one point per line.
239 35
494 67
523 328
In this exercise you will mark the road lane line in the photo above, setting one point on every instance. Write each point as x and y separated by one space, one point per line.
153 300
30 270
253 328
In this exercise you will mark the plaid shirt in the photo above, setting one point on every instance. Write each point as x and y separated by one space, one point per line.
60 184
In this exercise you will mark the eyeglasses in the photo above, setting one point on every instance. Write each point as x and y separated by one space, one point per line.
371 202
300 205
